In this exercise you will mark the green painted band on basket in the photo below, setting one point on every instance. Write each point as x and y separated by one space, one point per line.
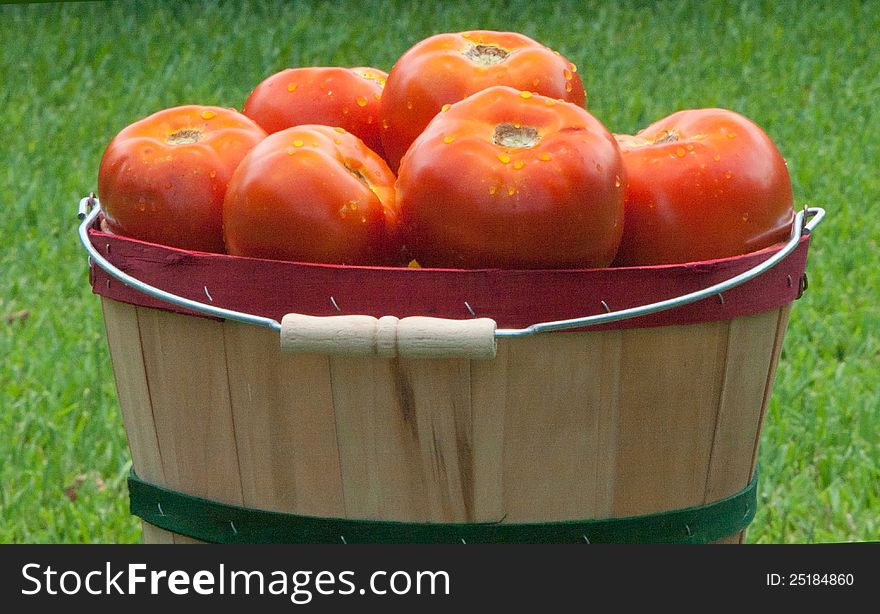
221 523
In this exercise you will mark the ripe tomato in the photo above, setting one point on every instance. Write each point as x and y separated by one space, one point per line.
507 178
703 184
332 96
311 194
163 178
446 68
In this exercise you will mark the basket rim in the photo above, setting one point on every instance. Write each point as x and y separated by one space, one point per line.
512 297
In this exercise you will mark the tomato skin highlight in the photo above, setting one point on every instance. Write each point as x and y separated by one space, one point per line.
163 178
702 184
312 194
508 179
445 68
330 96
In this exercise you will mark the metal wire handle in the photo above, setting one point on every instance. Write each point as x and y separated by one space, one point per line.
804 222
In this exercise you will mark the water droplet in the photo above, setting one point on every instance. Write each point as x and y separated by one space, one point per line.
545 157
445 107
361 101
698 137
680 152
549 102
298 143
339 130
330 92
290 151
208 115
599 167
536 82
731 135
409 105
525 94
212 174
385 124
716 157
492 189
689 147
567 74
518 164
617 181
353 205
568 86
728 175
168 185
572 67
377 96
448 139
511 191
504 158
745 217
292 87
345 110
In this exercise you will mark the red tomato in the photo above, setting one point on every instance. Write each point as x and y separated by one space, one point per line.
703 184
163 178
507 178
332 96
446 68
311 194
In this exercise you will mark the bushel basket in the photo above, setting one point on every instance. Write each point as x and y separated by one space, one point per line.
271 401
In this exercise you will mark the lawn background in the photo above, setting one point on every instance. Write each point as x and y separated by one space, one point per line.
72 75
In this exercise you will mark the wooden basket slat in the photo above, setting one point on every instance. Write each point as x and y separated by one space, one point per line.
488 392
377 444
670 379
187 377
441 402
551 427
133 394
749 356
284 425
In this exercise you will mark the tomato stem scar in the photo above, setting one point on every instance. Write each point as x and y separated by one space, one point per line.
486 55
667 136
517 137
184 136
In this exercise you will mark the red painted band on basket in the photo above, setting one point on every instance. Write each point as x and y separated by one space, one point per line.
513 298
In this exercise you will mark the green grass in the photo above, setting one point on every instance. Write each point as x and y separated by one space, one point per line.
72 75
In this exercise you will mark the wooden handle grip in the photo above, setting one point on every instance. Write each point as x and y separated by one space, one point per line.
414 337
